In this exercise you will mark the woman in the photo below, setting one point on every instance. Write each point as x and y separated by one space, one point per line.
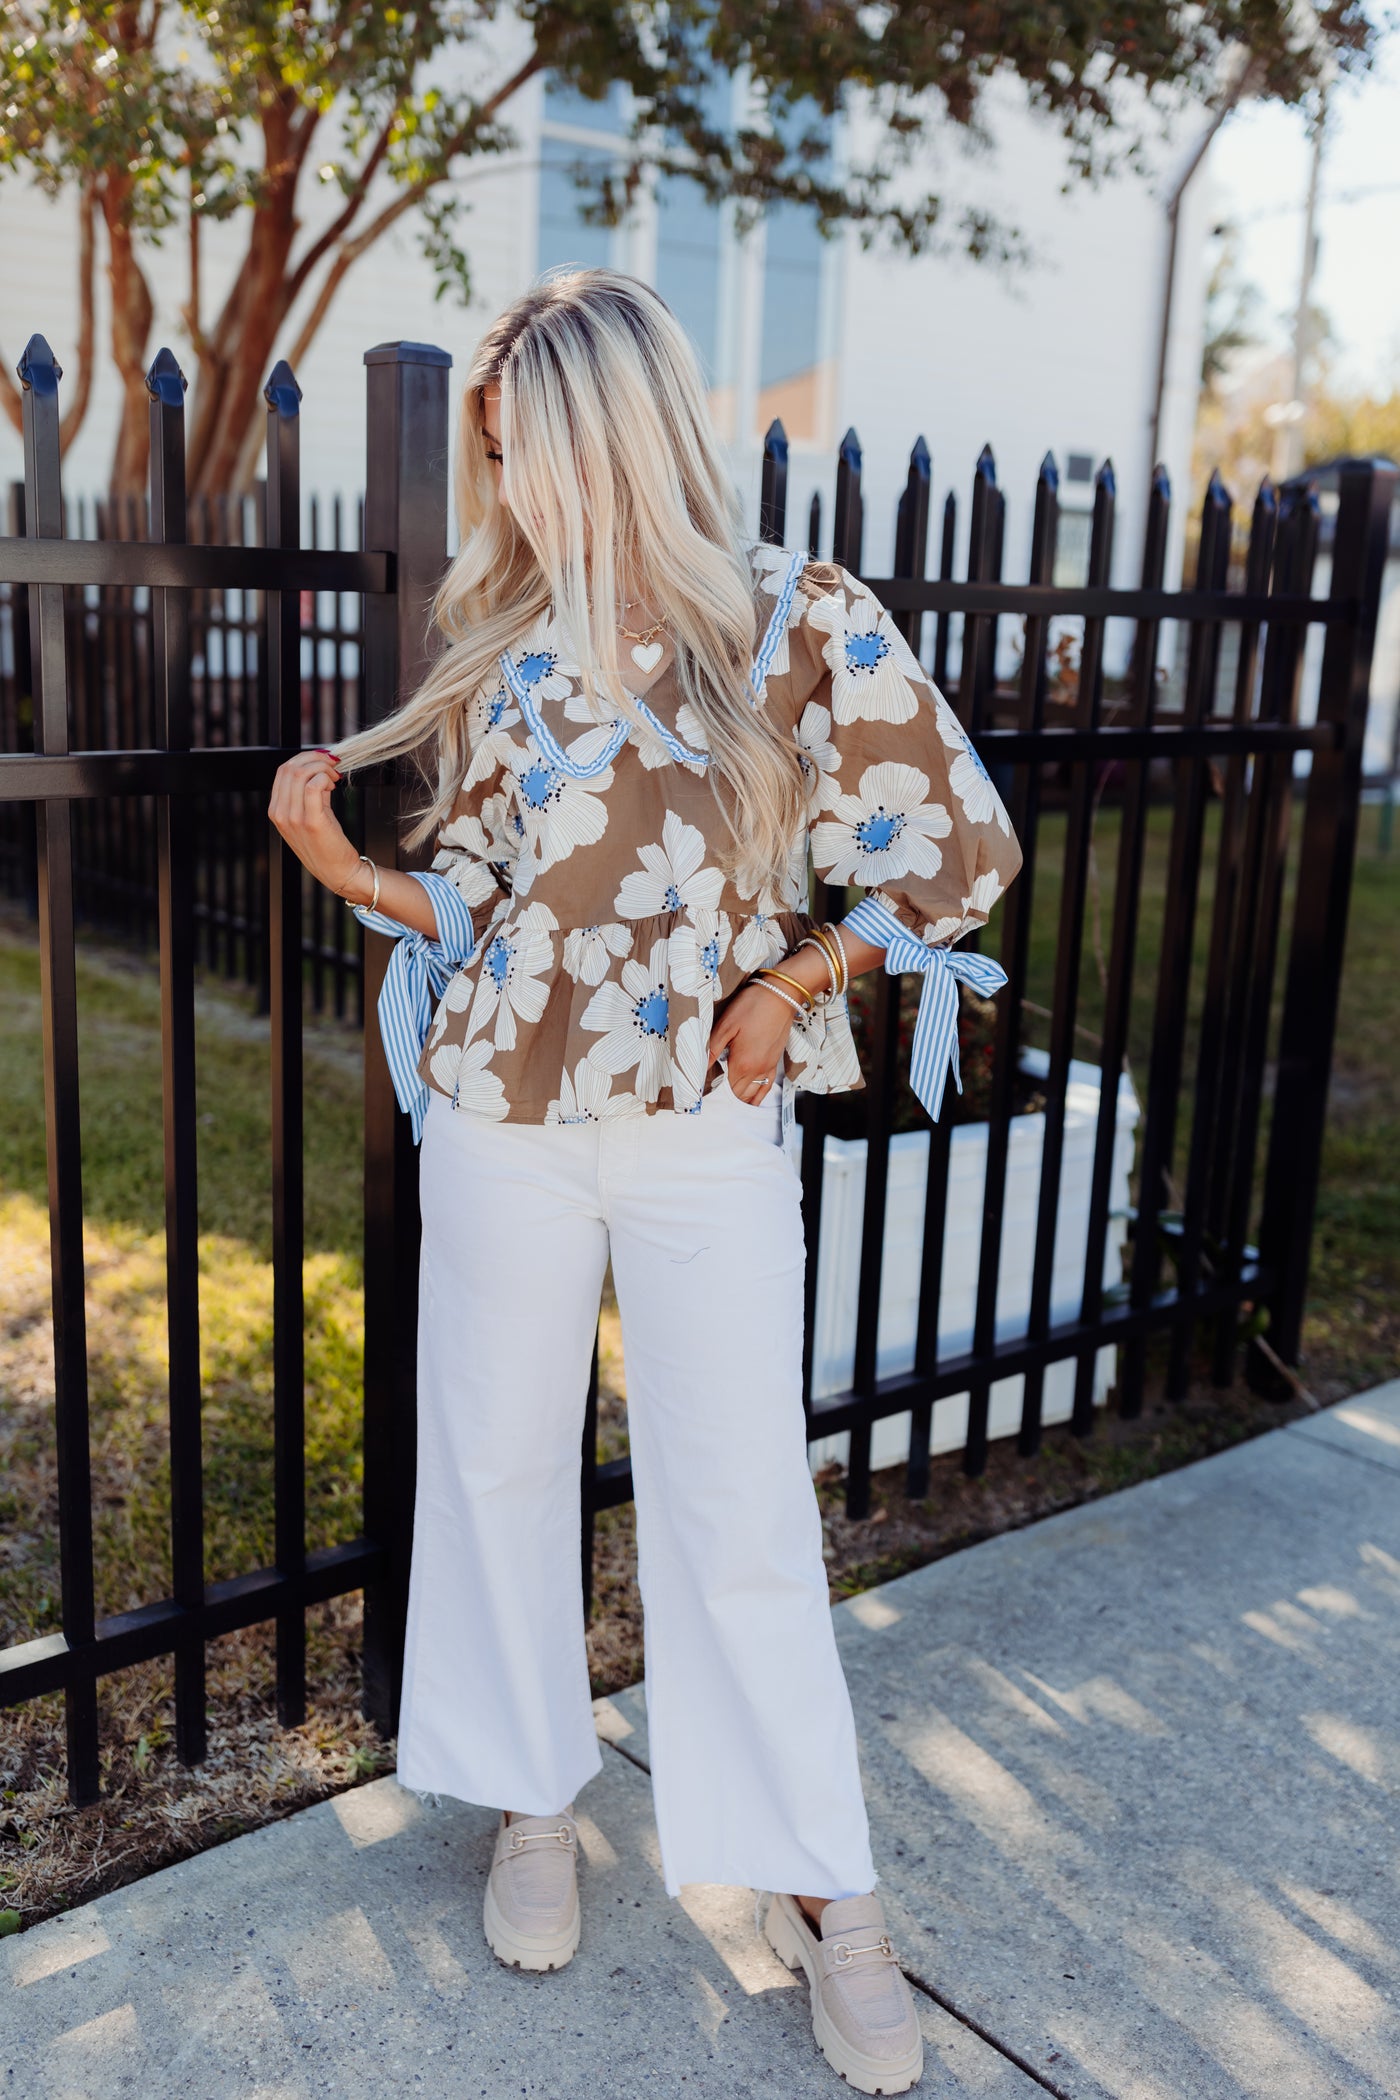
637 727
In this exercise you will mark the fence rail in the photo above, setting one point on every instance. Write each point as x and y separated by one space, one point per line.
110 584
225 690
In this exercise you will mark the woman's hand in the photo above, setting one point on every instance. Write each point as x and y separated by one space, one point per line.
301 810
753 1028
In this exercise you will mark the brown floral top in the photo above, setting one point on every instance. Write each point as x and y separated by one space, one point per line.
587 929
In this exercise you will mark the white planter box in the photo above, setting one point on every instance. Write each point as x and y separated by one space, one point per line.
838 1261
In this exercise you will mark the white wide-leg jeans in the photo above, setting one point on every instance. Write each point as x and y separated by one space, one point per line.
754 1768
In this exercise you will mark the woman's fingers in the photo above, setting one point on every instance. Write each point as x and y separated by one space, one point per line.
721 1034
749 1086
288 805
300 808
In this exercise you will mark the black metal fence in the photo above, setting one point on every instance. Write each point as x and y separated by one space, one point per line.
1233 729
111 666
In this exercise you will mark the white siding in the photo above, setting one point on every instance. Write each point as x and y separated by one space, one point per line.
1061 356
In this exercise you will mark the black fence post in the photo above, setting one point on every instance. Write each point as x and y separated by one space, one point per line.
911 534
848 516
21 820
175 891
283 652
1326 854
405 517
772 503
39 375
1118 992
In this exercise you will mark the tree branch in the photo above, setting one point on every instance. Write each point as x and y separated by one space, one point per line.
351 251
71 421
346 217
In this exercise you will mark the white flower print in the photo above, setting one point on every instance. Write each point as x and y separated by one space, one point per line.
671 877
690 729
967 776
654 751
588 1097
985 891
633 1019
697 950
464 852
793 886
759 942
886 830
509 980
556 813
461 1070
821 761
824 1053
691 1062
544 663
649 747
867 681
504 831
587 949
770 565
939 932
493 715
976 907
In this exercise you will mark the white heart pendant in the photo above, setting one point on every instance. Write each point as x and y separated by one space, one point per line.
646 656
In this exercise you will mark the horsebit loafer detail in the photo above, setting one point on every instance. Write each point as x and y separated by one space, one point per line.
863 2013
531 1911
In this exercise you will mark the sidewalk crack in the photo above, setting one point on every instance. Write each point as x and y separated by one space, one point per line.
984 2034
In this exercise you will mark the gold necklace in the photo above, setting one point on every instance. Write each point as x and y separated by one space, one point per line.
650 634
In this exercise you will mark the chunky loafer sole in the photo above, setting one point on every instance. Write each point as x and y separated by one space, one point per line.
868 2074
524 1950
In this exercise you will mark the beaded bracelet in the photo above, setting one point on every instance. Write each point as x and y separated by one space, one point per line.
840 945
803 1013
823 948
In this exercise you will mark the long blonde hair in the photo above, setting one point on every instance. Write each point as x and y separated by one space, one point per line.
608 444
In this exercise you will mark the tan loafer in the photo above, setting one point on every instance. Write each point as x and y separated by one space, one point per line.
531 1912
863 2013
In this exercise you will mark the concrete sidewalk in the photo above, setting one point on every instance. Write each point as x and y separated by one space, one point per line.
1134 1775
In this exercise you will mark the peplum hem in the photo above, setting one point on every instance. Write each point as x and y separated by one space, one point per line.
553 1024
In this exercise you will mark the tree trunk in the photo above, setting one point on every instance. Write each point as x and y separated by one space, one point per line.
228 391
132 313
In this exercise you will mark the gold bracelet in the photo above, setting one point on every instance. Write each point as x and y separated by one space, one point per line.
808 1001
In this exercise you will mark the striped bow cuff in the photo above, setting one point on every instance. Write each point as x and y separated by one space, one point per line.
419 972
935 1050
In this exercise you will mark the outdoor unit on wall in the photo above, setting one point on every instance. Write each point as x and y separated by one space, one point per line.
838 1260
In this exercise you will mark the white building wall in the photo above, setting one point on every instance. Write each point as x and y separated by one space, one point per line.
1061 355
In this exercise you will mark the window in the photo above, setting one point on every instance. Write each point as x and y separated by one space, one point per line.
566 105
689 244
565 235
